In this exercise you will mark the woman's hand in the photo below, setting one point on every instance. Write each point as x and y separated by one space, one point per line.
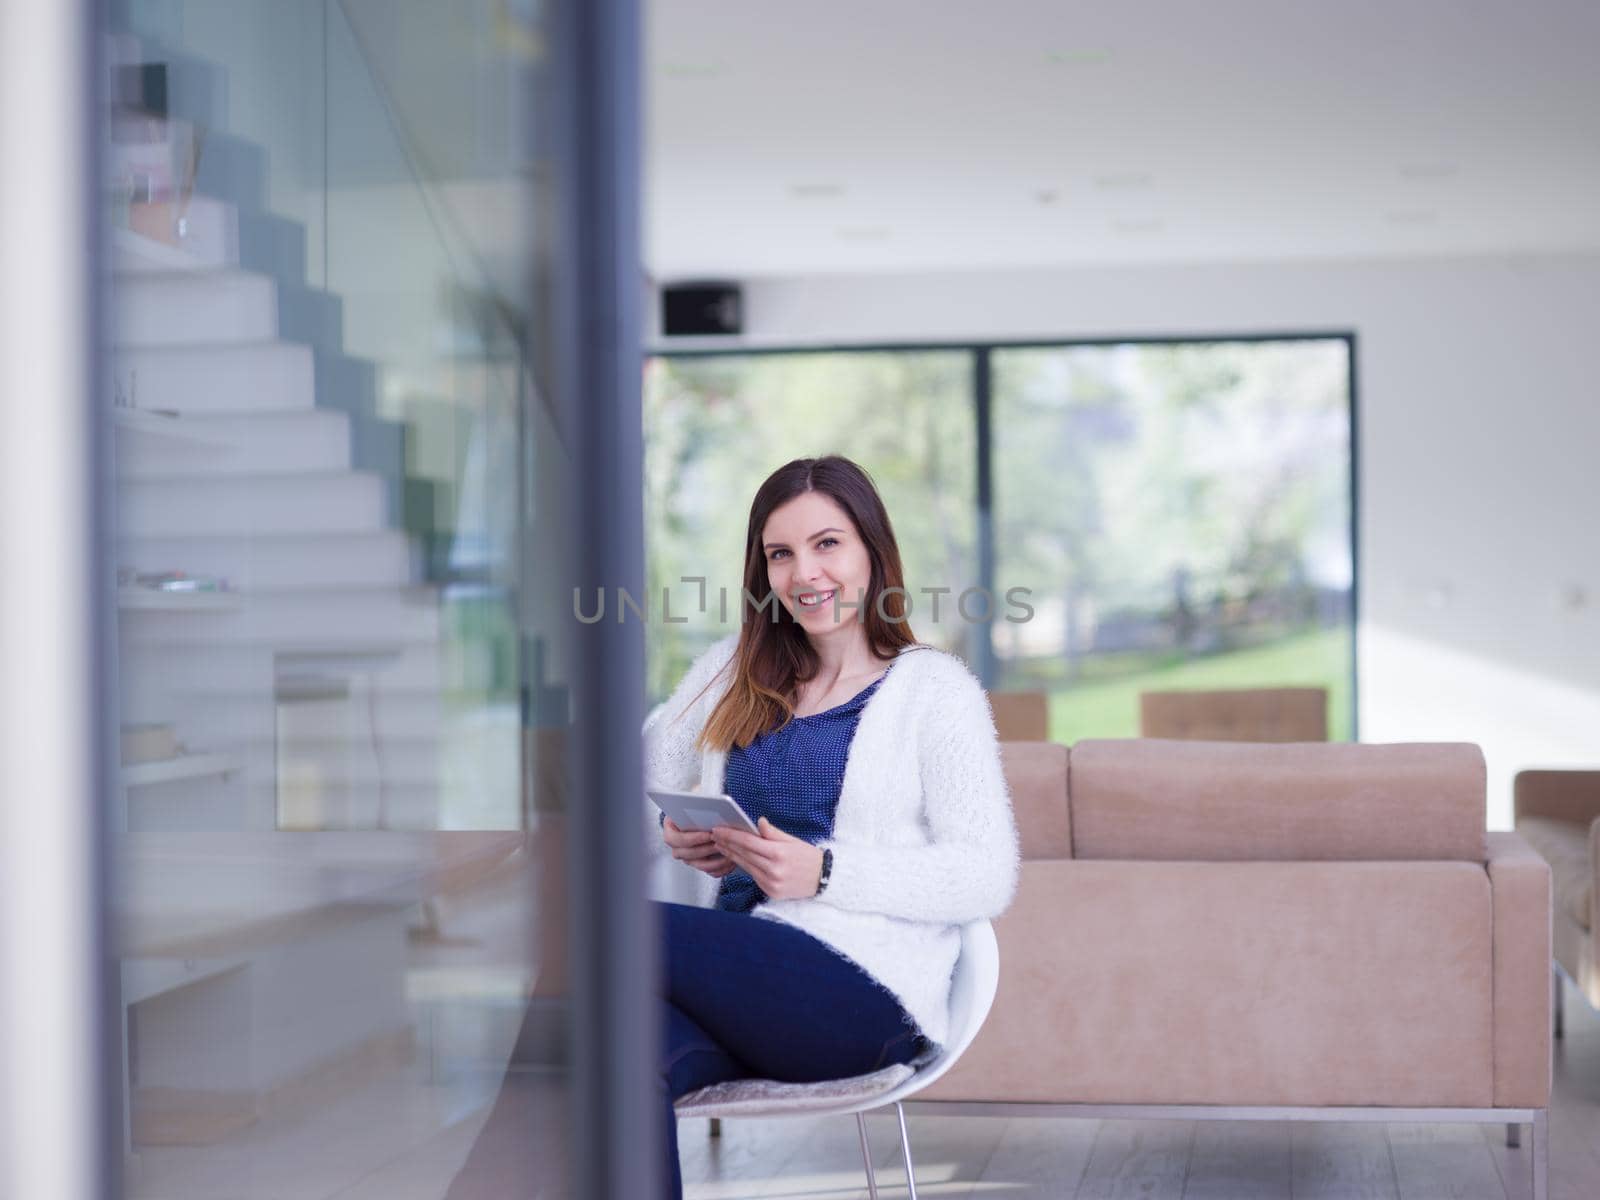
696 848
784 867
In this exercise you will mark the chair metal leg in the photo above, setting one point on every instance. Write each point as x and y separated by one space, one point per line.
1513 1135
905 1151
1560 1002
866 1157
1541 1155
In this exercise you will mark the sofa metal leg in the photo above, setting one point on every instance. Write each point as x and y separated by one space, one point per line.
716 1127
1513 1135
1559 999
905 1152
866 1157
1541 1154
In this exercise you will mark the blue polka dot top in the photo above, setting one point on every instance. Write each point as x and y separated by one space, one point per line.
793 777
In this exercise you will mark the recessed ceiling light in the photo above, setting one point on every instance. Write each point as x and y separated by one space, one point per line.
1428 170
815 191
1144 225
693 70
863 233
1123 181
1078 58
1412 216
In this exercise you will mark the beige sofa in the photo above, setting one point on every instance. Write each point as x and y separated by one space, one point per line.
1558 812
1253 931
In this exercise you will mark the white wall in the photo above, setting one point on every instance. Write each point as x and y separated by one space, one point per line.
1479 456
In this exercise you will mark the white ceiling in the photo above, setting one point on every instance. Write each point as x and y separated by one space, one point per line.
891 135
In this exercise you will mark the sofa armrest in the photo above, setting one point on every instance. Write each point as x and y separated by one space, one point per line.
1560 795
1594 890
1519 881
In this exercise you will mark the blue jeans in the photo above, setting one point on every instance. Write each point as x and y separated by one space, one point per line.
747 998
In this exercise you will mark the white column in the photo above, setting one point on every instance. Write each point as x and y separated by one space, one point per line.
50 1128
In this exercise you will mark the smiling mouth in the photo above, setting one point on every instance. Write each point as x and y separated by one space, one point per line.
814 600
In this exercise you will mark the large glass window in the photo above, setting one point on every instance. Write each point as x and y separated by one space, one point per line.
1177 515
1183 514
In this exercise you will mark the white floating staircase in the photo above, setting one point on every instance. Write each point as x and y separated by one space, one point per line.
255 452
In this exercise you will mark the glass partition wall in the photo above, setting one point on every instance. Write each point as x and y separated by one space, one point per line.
1128 516
341 490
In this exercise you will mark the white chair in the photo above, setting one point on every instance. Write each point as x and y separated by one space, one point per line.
971 995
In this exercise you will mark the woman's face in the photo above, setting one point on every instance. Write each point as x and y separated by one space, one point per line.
815 556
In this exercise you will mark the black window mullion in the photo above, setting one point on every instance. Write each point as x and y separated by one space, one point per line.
983 631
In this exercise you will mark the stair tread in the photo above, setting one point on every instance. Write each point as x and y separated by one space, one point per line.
418 591
233 541
160 258
254 344
265 415
221 346
210 273
319 474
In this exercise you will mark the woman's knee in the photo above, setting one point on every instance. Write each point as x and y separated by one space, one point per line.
690 1057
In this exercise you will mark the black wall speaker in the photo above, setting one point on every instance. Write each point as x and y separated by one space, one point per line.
702 309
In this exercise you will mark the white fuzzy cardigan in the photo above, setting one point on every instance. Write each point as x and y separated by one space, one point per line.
923 838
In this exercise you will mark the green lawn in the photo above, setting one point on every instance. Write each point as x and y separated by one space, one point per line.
1110 707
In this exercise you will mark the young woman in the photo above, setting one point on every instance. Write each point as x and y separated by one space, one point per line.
871 765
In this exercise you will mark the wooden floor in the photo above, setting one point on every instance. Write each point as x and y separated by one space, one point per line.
820 1159
456 1126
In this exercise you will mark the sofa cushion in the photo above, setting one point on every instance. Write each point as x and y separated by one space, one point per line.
1036 775
1146 798
1565 846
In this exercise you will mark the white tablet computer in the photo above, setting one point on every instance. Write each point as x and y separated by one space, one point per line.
694 811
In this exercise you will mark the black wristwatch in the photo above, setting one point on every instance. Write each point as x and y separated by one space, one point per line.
827 870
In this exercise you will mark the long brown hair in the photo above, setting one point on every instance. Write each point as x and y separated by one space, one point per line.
775 656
